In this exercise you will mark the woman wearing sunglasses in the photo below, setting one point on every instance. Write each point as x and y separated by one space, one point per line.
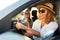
45 26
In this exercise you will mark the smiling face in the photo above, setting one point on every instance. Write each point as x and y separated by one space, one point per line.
45 15
27 14
42 13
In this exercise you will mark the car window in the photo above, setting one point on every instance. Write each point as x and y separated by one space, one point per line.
9 5
20 14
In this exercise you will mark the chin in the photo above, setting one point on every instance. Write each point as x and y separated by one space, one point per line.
40 18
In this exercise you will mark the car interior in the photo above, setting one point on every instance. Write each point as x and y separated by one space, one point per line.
8 23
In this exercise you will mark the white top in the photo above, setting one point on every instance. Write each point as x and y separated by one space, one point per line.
46 30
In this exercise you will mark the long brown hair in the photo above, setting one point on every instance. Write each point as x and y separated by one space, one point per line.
29 19
49 17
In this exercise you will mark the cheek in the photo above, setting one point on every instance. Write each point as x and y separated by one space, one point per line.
27 15
41 15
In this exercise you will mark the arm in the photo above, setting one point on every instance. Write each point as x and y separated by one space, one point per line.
29 30
32 32
50 30
28 23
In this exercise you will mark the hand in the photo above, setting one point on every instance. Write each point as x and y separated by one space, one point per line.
18 19
29 31
18 26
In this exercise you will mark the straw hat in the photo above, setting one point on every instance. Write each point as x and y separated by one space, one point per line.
46 5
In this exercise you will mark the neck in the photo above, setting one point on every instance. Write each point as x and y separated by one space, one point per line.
43 21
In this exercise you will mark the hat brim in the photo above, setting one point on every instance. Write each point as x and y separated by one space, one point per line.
39 6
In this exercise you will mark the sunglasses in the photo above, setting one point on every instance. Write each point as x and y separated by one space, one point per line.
42 11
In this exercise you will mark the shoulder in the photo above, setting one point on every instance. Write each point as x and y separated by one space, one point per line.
36 21
53 24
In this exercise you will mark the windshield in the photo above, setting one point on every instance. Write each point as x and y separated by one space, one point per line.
9 5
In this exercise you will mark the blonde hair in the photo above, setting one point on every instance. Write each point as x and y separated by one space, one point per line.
49 17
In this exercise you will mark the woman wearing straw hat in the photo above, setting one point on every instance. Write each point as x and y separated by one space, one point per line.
45 26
